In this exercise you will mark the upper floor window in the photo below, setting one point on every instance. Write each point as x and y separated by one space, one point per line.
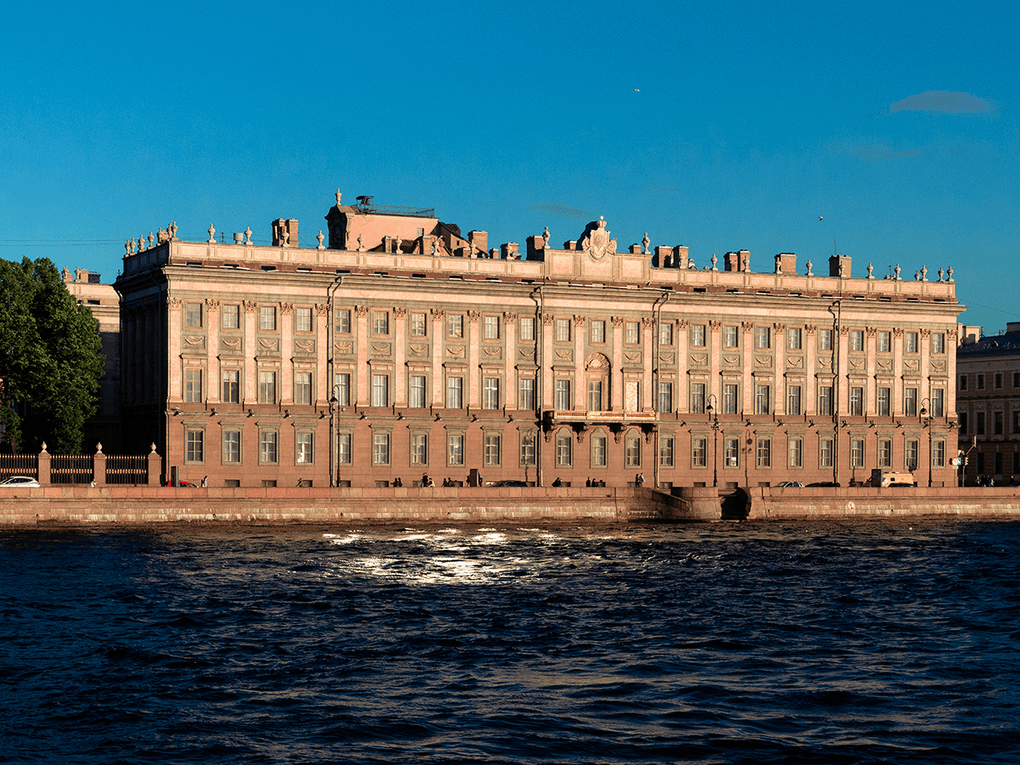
666 333
343 321
563 330
884 341
231 316
490 327
303 320
597 331
698 335
267 318
793 338
455 325
526 329
193 315
857 340
419 328
731 337
380 322
910 342
632 333
938 342
763 337
825 339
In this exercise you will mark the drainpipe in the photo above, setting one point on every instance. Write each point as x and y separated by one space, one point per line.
540 380
331 376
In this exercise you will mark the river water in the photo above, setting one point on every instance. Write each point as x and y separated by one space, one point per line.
815 642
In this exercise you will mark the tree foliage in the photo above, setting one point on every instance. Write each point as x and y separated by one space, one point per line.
50 359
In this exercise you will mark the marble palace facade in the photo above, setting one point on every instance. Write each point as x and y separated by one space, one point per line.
399 347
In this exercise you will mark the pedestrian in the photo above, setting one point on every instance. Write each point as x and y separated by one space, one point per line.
557 482
639 480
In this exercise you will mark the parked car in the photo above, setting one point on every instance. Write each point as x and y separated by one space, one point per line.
824 483
187 484
509 482
17 481
790 485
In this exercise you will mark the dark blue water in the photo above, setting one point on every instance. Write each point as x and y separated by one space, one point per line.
820 642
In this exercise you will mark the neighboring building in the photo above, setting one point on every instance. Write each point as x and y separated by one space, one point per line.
406 348
104 303
989 404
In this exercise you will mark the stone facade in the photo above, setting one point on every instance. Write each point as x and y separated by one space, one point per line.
404 349
989 405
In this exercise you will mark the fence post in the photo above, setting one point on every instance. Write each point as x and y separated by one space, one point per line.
155 467
43 467
99 466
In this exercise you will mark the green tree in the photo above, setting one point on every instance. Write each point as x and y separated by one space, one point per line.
50 359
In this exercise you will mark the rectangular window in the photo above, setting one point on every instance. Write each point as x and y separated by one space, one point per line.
380 448
302 387
698 398
267 318
343 448
857 452
729 399
380 390
763 337
526 329
825 339
762 399
455 325
963 382
342 388
454 392
665 397
492 445
699 451
193 315
938 402
1016 380
885 452
1016 422
528 449
267 387
857 340
763 453
997 423
417 397
666 333
193 385
632 451
825 399
884 402
666 451
563 330
910 402
980 382
856 401
490 391
795 453
268 446
598 451
824 452
910 342
380 323
793 338
884 341
597 331
231 316
731 452
455 450
419 449
419 327
963 422
731 337
231 447
303 442
698 335
632 333
594 395
490 327
793 399
563 402
938 454
231 386
998 379
343 321
564 449
938 342
526 389
194 446
303 320
979 422
910 451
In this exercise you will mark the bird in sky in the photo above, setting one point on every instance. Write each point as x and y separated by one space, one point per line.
636 90
819 217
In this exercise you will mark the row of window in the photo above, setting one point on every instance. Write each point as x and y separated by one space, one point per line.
492 323
988 423
997 380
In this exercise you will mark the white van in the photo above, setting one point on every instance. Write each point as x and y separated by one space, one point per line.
885 478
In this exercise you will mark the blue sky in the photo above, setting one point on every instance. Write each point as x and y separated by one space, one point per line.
716 126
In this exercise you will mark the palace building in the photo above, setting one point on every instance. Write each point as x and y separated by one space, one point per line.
401 347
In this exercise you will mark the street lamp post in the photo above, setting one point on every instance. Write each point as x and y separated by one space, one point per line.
713 413
926 415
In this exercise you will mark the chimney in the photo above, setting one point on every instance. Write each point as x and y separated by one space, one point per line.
285 232
786 264
839 265
738 261
479 241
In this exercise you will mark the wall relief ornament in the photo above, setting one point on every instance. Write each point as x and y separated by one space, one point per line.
699 359
345 348
598 243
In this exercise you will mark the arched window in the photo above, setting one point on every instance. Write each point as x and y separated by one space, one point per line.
632 449
564 448
599 443
597 376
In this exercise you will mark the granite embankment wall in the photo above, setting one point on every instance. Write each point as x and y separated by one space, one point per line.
92 506
82 505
